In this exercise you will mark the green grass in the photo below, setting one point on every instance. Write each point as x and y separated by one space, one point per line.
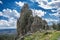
53 35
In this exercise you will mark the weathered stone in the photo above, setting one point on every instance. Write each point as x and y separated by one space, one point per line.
27 23
37 24
24 22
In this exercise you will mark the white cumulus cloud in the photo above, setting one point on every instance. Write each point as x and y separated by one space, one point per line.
42 3
39 13
50 20
1 2
48 5
20 3
10 23
12 15
55 14
55 4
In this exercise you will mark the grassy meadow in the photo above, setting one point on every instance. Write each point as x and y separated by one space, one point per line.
51 35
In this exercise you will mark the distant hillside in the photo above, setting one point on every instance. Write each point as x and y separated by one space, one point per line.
8 31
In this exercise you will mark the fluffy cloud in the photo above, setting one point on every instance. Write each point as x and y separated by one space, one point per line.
1 2
9 13
1 14
20 3
48 5
42 3
12 15
55 4
10 23
39 13
50 20
55 14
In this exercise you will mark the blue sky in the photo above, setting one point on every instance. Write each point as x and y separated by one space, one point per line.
10 11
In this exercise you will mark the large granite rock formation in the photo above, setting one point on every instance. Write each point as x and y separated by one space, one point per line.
27 23
39 24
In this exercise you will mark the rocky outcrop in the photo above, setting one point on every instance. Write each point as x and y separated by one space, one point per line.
39 24
27 23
